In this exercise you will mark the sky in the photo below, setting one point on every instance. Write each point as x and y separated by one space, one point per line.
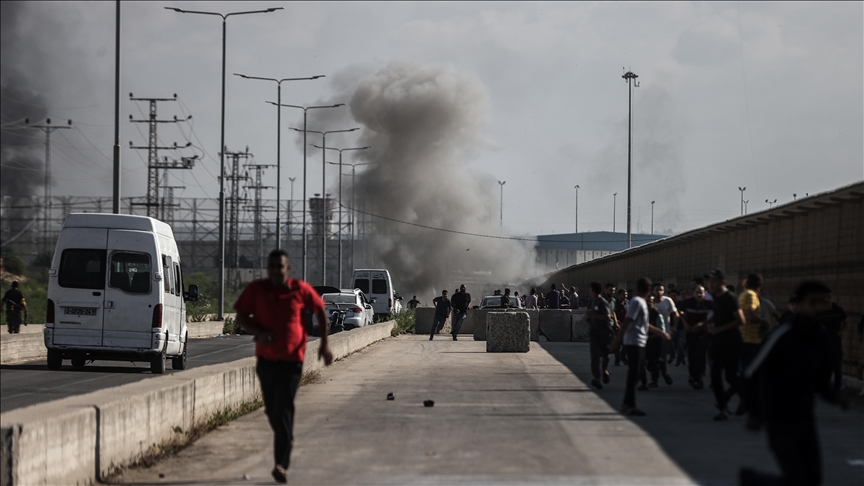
766 96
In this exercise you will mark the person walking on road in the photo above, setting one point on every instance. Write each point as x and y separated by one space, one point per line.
272 309
833 322
725 342
601 332
461 302
793 364
753 329
696 310
16 305
442 310
654 361
666 307
634 334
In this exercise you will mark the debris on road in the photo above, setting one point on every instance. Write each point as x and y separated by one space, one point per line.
428 403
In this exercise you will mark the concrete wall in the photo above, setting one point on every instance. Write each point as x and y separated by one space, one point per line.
82 439
819 237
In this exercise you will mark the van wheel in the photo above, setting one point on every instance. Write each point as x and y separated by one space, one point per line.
78 362
157 363
55 359
179 362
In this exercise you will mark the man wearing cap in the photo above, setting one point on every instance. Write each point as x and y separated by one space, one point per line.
793 364
725 342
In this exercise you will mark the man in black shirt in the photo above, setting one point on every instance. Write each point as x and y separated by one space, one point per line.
793 364
15 306
833 322
412 304
696 310
725 342
442 310
461 303
601 332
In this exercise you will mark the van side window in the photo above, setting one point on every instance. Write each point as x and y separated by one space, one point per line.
379 286
362 284
82 269
168 274
178 280
130 272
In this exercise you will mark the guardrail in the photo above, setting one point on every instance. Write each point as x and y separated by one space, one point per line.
85 438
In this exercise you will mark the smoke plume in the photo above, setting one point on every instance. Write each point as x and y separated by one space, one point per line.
425 124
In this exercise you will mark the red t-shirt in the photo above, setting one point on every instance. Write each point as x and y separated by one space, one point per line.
280 311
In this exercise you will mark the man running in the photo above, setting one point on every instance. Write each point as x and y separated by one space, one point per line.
412 304
461 302
725 342
602 330
15 306
634 334
271 309
442 310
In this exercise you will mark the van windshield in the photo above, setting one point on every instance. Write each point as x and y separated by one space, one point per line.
362 284
379 286
130 272
82 269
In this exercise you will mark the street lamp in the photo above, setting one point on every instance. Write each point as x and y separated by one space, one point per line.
290 201
340 197
652 217
771 203
742 189
324 195
745 206
576 222
222 149
279 145
614 197
501 183
630 77
305 110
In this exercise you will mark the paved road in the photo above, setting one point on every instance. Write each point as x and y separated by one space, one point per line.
29 383
498 419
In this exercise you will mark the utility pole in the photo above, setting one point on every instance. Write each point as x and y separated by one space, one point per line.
153 164
47 128
167 206
233 203
742 189
116 182
629 77
576 223
290 210
501 183
745 206
258 209
652 217
614 201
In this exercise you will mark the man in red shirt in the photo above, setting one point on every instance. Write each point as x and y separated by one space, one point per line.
271 309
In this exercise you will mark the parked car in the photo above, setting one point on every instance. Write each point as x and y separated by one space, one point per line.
378 286
115 292
491 301
358 308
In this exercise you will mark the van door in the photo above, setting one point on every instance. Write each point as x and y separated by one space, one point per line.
170 304
132 294
381 291
81 280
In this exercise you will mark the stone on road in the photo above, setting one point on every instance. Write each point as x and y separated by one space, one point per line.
504 418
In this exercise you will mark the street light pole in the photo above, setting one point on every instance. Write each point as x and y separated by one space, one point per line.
614 201
340 197
290 213
742 189
629 77
576 223
115 206
224 17
501 183
745 206
305 112
652 217
771 203
279 144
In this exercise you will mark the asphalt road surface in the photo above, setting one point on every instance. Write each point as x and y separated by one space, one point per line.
498 418
29 383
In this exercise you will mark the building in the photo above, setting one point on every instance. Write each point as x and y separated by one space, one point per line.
556 252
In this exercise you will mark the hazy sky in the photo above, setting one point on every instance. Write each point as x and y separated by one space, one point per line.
762 95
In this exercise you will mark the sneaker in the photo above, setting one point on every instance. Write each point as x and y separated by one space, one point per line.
596 384
454 337
430 338
653 384
642 388
279 474
606 376
632 411
722 416
667 379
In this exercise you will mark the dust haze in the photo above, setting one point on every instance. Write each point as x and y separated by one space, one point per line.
426 123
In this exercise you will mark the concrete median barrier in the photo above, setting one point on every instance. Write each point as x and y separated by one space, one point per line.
480 318
508 332
83 439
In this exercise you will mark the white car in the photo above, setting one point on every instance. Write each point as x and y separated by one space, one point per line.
358 310
491 301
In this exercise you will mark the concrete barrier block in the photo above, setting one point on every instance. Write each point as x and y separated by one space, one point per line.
556 324
423 320
580 326
508 332
9 454
480 322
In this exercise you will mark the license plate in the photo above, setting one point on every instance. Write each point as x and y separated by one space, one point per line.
80 311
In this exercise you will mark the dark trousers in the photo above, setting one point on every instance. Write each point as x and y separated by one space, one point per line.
437 324
697 348
279 383
599 354
796 449
749 388
635 356
835 344
654 359
457 320
725 360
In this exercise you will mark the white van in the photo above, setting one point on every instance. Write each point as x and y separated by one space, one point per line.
115 292
378 287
